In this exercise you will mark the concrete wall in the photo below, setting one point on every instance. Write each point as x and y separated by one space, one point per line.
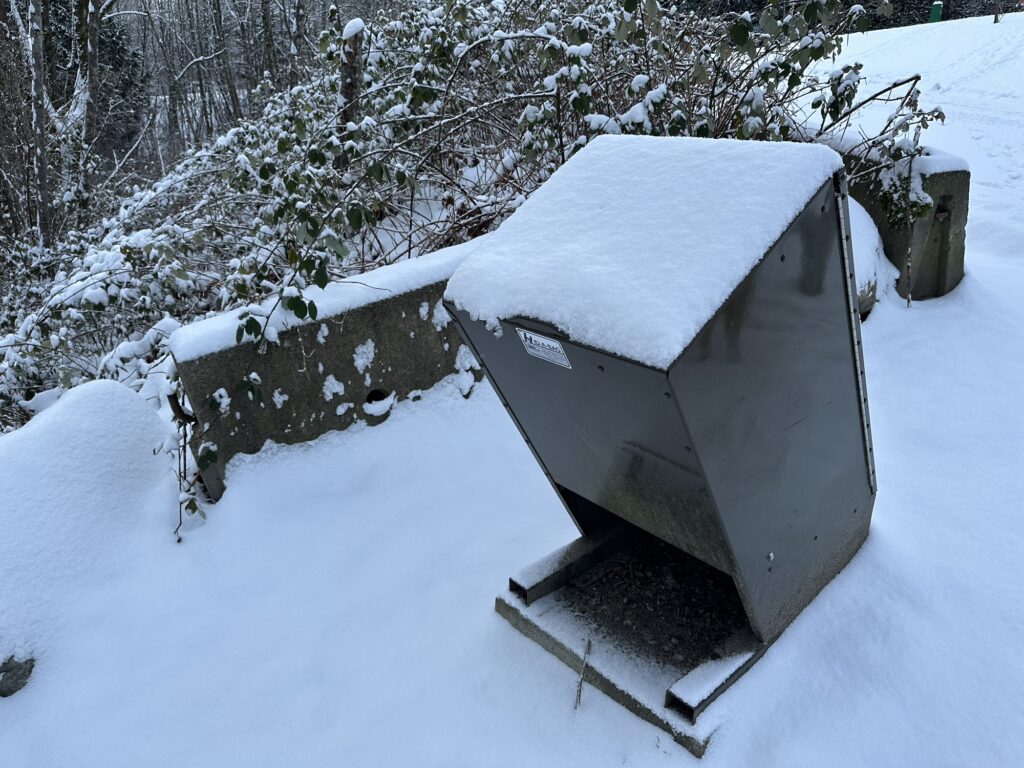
939 236
321 376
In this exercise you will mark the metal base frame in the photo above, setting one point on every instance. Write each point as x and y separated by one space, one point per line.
666 633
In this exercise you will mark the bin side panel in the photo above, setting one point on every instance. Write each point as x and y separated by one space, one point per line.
769 391
607 432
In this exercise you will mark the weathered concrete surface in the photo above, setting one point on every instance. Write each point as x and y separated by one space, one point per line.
937 261
321 376
14 675
867 297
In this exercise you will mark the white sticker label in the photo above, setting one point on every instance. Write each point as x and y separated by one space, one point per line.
543 347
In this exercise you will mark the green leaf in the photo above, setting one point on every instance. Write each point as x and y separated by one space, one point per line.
320 277
206 459
311 308
581 103
354 214
629 6
340 249
739 33
253 327
297 307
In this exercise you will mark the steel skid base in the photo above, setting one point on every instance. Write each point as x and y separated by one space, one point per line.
666 633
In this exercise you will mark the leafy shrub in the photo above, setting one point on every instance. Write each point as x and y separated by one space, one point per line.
425 128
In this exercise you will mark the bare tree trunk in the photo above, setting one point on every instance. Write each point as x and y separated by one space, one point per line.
42 201
88 70
175 139
247 46
92 68
350 80
269 63
206 107
298 41
13 195
227 71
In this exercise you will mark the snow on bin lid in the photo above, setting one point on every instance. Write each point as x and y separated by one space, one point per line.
635 242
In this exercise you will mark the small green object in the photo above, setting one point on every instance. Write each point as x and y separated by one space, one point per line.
936 11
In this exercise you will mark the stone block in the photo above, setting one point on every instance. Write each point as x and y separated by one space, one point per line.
939 234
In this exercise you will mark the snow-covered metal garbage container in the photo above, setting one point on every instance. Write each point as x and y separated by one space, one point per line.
672 324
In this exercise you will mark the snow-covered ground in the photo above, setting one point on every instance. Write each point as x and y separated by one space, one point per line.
336 609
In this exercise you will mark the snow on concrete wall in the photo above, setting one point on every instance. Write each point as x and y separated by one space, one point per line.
379 338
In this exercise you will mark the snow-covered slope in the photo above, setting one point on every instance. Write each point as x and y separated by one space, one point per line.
337 607
86 493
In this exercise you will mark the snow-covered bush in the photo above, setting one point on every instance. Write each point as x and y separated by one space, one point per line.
419 130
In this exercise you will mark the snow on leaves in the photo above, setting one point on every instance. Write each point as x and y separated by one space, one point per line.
417 130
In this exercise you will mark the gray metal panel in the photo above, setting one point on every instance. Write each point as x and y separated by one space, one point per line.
608 433
753 453
770 392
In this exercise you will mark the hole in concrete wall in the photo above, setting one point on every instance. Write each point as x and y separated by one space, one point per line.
376 395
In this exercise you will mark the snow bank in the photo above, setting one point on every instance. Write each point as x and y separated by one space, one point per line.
930 161
216 333
634 243
936 161
869 261
83 494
